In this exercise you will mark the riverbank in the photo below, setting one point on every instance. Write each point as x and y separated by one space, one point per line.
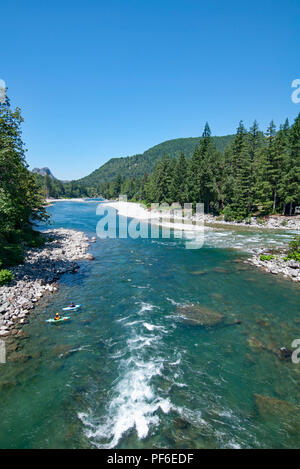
274 222
140 212
49 201
156 217
38 275
277 265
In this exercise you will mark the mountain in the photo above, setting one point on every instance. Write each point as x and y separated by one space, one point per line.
43 172
138 165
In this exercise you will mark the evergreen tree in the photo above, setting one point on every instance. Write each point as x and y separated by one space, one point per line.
241 204
291 179
180 180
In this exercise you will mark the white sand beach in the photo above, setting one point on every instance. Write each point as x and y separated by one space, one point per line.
49 201
155 217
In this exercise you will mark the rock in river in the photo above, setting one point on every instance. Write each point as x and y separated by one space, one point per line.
272 408
199 315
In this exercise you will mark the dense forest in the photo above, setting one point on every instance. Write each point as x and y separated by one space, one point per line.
21 200
255 173
130 167
136 166
237 176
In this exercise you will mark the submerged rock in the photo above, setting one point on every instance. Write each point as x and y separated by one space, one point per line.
220 270
181 423
199 315
271 407
255 343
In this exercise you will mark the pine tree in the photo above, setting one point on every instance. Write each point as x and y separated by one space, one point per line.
291 179
241 204
180 180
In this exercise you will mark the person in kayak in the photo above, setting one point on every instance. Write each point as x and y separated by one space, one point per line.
57 317
72 305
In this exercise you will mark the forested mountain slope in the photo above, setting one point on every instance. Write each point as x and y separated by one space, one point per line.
137 165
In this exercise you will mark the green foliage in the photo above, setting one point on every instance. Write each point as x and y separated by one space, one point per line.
33 239
6 276
11 254
266 257
293 255
136 166
228 214
294 249
294 245
21 201
238 176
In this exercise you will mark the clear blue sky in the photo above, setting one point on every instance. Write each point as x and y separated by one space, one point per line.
99 79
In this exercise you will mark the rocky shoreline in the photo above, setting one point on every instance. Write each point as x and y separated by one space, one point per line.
277 265
38 275
274 222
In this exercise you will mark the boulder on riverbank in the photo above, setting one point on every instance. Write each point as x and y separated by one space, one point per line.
38 275
275 222
277 265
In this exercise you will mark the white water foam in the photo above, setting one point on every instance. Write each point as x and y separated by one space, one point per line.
134 402
145 307
151 327
133 406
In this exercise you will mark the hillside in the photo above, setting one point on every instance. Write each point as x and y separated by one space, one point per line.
138 165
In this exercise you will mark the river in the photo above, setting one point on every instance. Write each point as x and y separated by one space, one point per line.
127 371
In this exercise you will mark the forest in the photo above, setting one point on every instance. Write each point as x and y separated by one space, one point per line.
21 199
255 174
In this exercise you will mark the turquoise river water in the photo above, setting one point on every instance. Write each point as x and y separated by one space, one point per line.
127 371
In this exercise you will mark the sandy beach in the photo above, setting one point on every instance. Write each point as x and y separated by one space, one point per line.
155 217
49 201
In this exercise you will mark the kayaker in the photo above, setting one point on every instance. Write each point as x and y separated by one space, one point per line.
57 317
72 305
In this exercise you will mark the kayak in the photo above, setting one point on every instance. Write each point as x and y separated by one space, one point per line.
70 308
64 318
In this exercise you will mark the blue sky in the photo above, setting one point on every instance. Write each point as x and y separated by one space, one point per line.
101 79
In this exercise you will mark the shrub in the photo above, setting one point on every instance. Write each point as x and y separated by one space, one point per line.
228 214
11 254
238 218
294 249
33 239
266 257
6 276
295 244
293 256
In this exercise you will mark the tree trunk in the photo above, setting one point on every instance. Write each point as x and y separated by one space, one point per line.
283 211
291 208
